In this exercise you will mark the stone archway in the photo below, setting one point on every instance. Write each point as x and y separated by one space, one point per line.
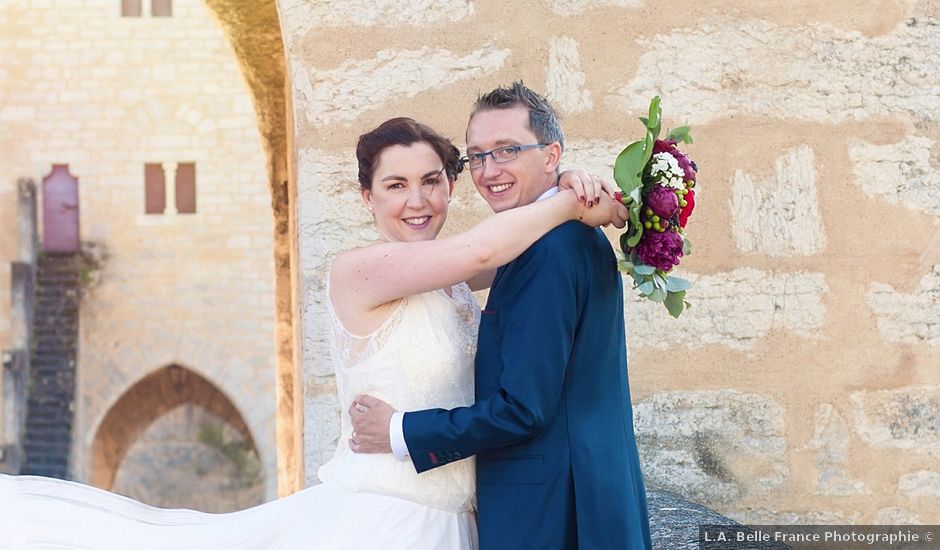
147 400
253 28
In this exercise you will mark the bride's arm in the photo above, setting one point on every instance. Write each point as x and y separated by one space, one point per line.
588 188
377 274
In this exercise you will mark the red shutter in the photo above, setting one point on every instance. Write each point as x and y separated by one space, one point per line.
186 188
154 189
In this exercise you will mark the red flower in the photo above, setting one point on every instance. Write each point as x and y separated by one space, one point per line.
663 202
660 250
687 209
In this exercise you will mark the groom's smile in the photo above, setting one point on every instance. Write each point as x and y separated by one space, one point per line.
517 182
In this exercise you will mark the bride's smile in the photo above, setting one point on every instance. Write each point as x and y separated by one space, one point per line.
410 194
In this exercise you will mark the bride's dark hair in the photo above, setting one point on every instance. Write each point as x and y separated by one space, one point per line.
403 131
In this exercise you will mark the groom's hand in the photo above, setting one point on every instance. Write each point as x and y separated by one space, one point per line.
370 418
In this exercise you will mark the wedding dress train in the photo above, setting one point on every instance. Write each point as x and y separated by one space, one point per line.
421 357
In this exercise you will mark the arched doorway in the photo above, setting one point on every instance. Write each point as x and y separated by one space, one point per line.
254 30
168 392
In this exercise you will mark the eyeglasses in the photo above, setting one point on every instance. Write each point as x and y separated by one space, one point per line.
500 155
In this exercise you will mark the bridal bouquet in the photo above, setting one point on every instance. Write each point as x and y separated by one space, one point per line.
656 181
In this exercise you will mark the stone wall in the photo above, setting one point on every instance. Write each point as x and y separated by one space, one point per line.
9 252
106 94
190 458
17 226
803 385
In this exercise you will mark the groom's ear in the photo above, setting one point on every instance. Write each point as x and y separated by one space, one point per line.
552 157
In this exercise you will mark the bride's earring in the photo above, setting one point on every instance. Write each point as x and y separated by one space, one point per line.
370 209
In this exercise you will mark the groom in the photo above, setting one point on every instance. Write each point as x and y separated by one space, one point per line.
552 429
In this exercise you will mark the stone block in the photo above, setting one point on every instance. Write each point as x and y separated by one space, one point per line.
712 446
905 418
908 318
358 86
575 7
925 483
894 515
900 173
779 216
305 15
564 79
807 72
733 309
321 430
831 439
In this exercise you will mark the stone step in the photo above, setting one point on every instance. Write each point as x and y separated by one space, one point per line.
59 433
56 471
55 426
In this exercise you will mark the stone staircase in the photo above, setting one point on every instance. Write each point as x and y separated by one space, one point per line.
52 380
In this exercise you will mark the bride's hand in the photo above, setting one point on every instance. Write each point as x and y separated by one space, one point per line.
370 418
607 211
587 187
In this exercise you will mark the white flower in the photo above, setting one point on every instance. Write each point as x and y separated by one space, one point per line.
666 171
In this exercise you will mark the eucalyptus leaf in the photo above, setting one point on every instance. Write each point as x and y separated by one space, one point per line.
643 269
626 267
659 281
658 295
686 246
646 288
674 303
676 284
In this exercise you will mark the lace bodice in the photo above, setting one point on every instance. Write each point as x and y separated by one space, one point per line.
421 357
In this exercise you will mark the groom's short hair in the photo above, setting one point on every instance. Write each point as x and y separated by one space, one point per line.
543 120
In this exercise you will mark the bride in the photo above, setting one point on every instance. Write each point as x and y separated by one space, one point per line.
403 329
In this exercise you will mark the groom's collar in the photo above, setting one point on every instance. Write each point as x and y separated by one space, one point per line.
551 191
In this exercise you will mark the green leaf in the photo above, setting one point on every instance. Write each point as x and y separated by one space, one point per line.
637 196
629 165
636 229
680 134
645 121
655 119
623 242
659 281
646 288
658 295
674 303
643 269
677 284
686 246
626 267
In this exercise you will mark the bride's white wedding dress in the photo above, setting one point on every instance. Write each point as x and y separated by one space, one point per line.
421 357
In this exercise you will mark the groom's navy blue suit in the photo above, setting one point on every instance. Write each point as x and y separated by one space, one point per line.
552 428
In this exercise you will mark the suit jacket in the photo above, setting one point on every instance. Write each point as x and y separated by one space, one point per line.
552 427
